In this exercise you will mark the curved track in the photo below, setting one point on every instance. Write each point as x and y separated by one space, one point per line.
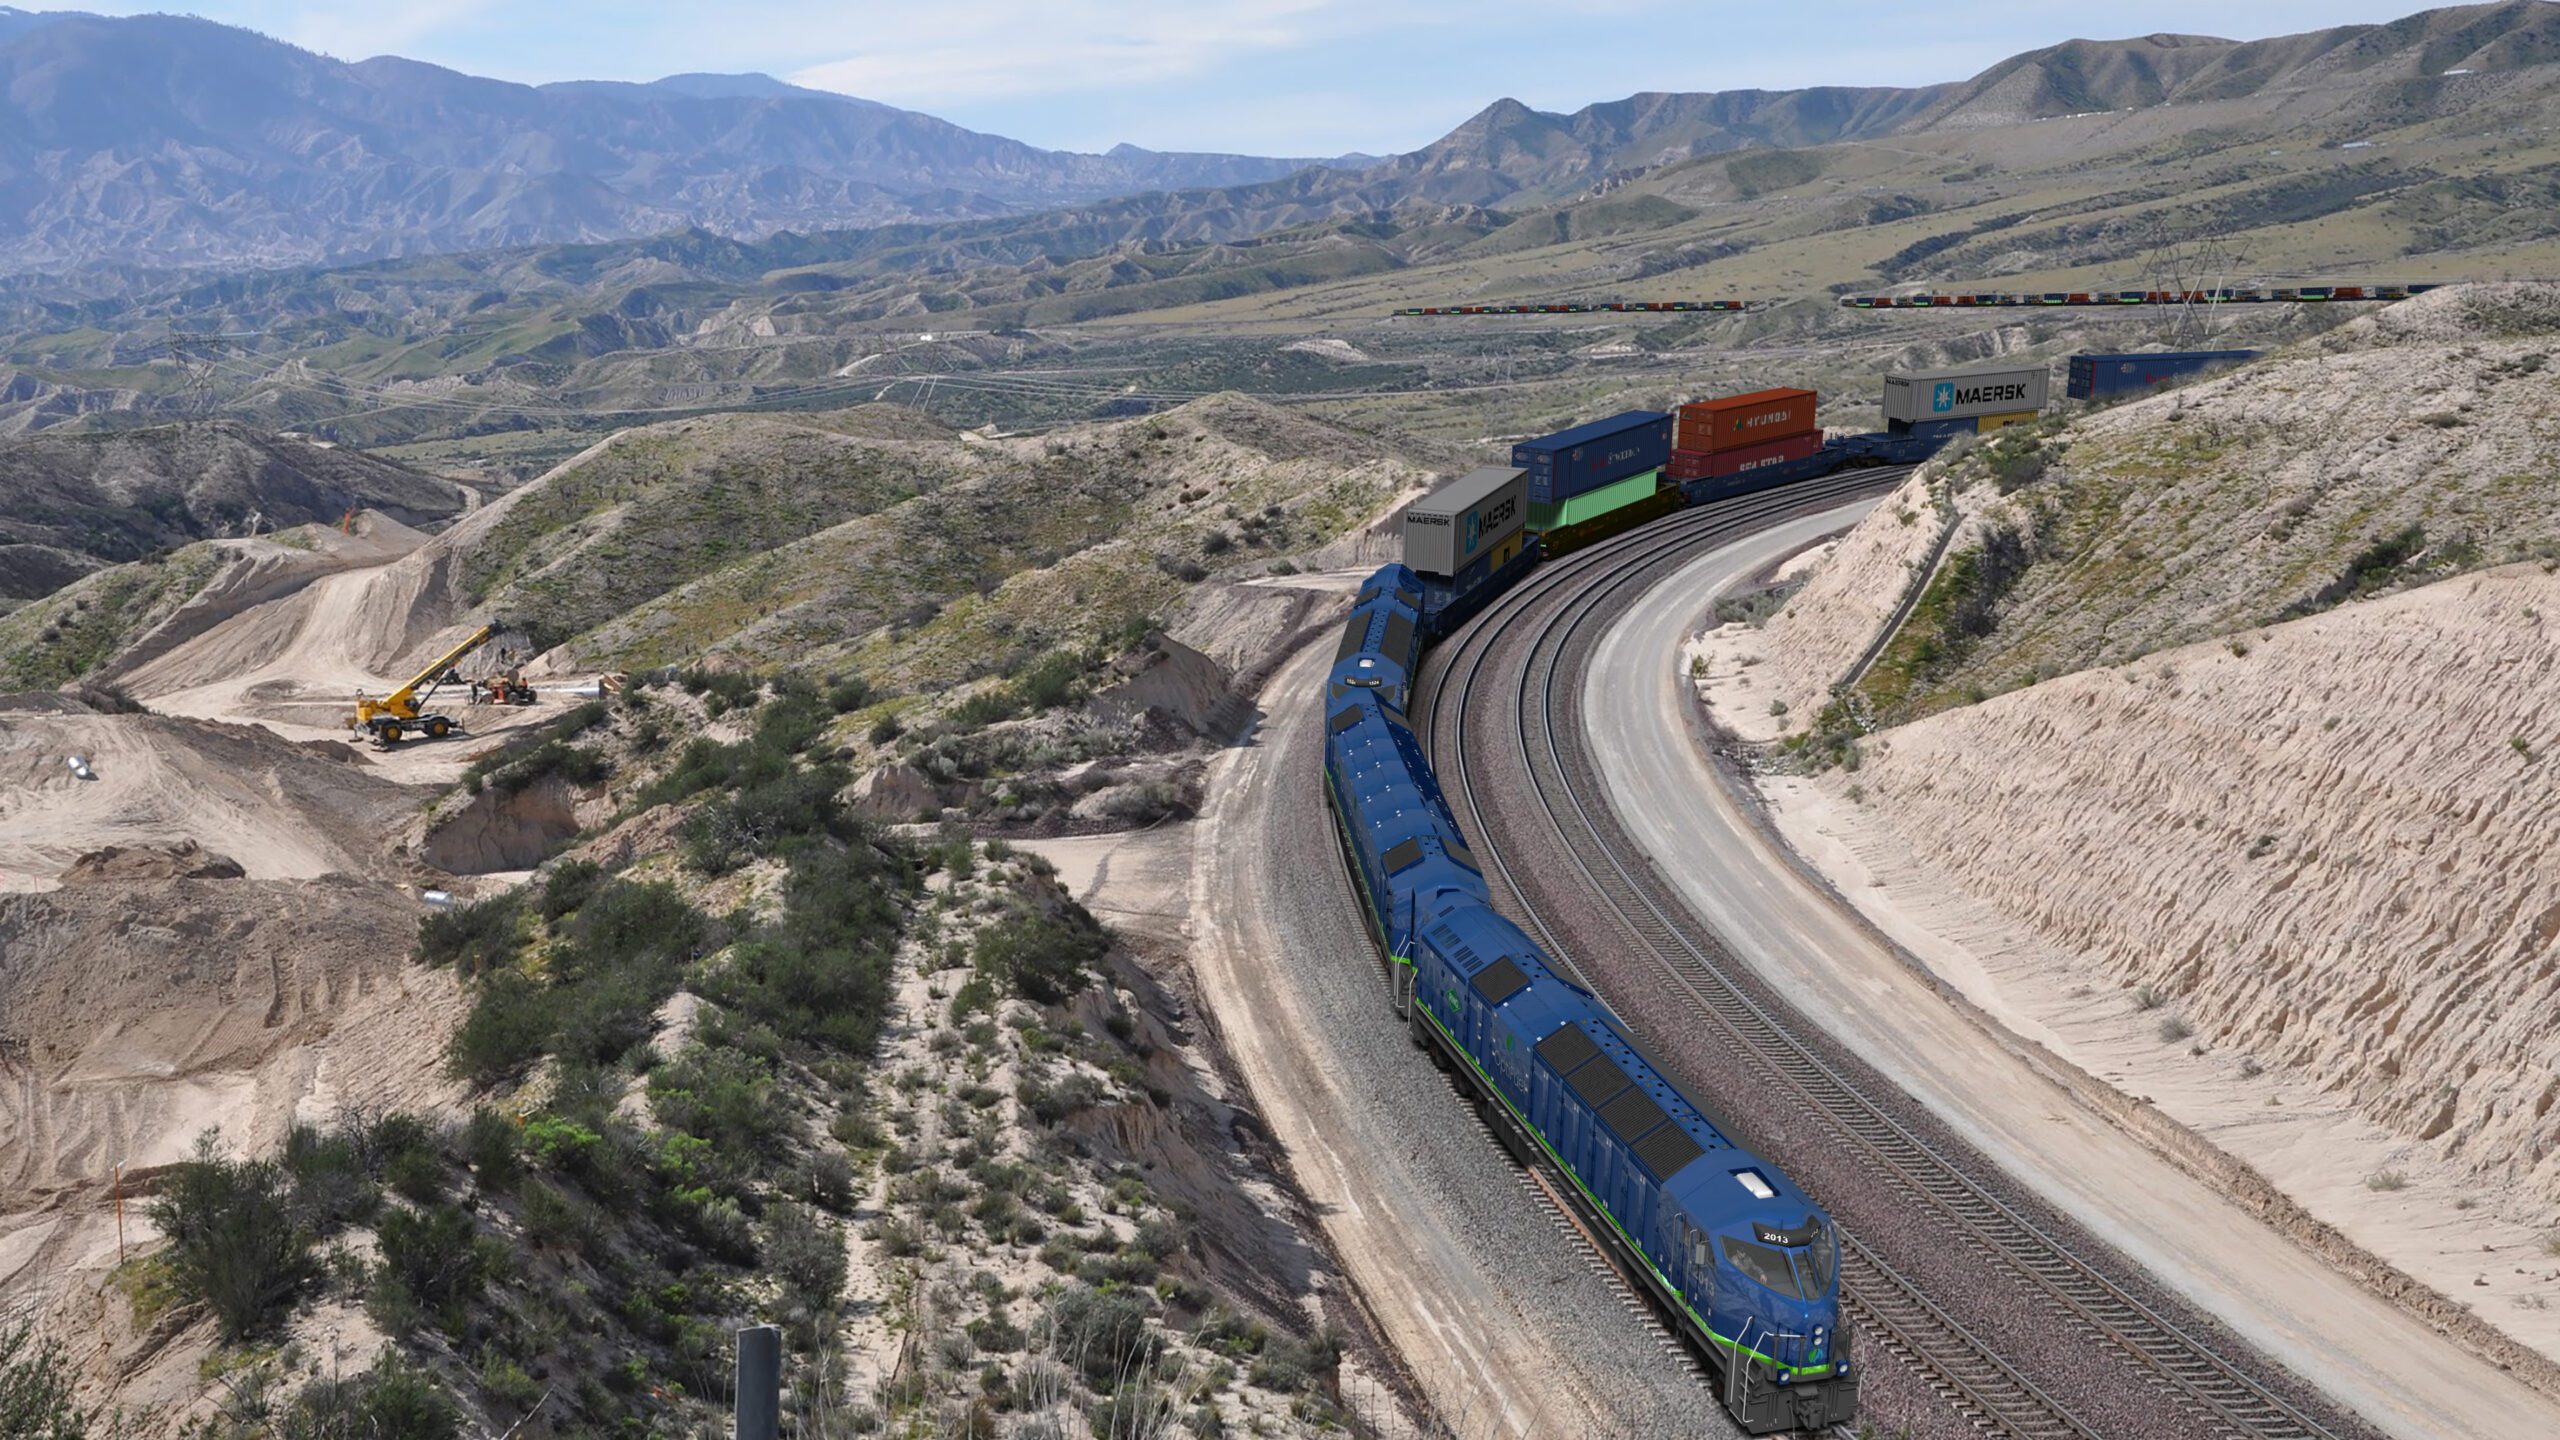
2111 1355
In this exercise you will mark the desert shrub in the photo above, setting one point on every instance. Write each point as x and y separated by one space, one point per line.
805 1253
827 1179
1103 1334
37 1398
1042 955
724 1097
393 1401
2174 1029
721 690
432 1253
985 708
764 819
821 976
490 1148
2386 1180
234 1241
332 1182
477 938
509 1027
851 692
568 886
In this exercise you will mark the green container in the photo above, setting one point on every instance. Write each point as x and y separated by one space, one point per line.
1591 505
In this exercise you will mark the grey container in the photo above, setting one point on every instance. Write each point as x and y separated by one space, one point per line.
1914 396
1464 519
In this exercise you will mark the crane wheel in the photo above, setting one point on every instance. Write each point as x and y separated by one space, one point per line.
390 732
438 728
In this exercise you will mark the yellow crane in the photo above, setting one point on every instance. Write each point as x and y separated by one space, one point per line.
405 710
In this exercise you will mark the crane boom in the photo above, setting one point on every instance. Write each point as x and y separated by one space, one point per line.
406 695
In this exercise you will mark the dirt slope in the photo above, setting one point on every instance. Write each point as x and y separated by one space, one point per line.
283 810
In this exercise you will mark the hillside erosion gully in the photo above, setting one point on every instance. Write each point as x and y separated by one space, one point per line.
2155 1192
2072 1336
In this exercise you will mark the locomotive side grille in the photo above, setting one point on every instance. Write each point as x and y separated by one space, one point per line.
1598 1082
1567 1049
1500 981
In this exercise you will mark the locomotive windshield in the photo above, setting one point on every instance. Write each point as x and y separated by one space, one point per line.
1798 1271
1765 1264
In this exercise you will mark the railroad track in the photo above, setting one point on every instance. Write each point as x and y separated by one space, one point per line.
1560 615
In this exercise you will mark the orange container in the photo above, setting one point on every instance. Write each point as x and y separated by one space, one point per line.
1707 426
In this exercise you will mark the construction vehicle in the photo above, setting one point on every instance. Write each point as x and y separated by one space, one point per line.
507 687
409 709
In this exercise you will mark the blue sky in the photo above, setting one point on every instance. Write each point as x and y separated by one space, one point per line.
1284 77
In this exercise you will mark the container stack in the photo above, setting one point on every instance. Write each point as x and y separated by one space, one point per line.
1742 442
2099 377
1580 474
1938 403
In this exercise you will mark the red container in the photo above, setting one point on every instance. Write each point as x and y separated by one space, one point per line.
1708 426
1722 464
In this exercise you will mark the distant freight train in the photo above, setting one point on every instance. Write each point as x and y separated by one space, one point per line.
1969 299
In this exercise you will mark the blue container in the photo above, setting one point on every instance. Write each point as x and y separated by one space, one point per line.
2098 377
1586 457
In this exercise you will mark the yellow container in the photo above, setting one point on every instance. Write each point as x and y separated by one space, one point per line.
1989 423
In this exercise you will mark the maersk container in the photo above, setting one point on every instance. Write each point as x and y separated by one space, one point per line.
1915 396
1592 504
2097 377
1706 426
1465 520
1691 465
1586 457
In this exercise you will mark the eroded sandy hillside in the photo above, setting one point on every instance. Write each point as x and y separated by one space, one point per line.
2216 756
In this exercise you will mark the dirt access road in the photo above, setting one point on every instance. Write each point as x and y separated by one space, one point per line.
2363 1351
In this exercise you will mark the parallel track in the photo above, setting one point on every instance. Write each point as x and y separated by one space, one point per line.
1892 1313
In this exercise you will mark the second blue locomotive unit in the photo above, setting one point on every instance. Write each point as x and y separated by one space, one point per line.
1746 1265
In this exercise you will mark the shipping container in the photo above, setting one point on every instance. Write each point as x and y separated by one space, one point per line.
1465 520
1706 426
1914 396
1592 504
1822 459
2096 377
1586 457
1692 465
1566 540
1990 423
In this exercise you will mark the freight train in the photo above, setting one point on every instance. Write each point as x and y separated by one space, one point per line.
1745 1263
1970 299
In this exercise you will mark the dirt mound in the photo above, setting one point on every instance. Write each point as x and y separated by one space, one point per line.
499 831
286 811
185 860
1171 679
135 1016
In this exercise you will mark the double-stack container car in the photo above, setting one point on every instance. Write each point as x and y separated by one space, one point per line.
1586 457
2103 377
1467 540
1740 443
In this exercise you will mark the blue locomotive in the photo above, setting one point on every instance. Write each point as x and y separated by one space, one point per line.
1746 1265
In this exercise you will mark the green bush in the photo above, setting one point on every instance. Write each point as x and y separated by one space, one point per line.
805 1254
333 1182
509 1027
433 1252
568 886
821 976
765 819
1104 1334
393 1401
852 692
1042 955
37 1400
234 1241
478 937
490 1147
723 1097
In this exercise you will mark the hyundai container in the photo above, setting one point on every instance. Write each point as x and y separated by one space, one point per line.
1706 426
1586 457
1465 520
1592 504
1914 396
1693 465
2098 377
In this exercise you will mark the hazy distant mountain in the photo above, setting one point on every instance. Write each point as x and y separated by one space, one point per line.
163 140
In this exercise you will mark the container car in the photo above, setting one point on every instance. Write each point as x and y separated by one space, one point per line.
1786 449
1592 504
1475 518
1912 396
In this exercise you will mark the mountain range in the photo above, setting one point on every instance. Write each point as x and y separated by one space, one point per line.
165 142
